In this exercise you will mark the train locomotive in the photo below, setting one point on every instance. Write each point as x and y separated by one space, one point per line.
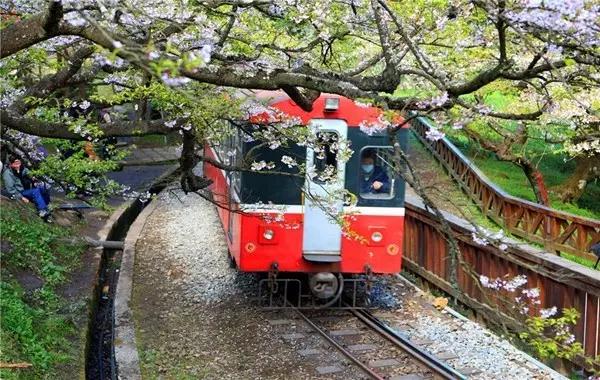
289 232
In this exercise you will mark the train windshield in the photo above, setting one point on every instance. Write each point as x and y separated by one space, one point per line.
377 173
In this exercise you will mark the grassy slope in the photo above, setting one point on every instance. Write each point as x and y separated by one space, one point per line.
554 168
36 326
441 188
452 199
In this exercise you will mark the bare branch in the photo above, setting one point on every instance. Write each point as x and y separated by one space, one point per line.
57 130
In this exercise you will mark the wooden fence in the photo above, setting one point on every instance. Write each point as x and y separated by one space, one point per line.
562 283
557 231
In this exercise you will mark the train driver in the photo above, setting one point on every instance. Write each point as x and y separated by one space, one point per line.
374 179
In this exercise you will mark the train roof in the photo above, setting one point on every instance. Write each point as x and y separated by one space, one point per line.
323 108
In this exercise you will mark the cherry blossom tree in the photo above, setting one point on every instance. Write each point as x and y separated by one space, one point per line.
184 67
184 61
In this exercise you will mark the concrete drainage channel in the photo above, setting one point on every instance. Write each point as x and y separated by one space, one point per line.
100 352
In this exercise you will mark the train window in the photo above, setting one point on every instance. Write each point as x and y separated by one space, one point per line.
325 157
377 172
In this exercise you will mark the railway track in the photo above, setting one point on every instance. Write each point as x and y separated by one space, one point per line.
369 348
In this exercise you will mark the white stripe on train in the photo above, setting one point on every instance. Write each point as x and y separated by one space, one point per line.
299 209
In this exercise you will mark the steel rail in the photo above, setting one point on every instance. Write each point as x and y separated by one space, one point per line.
343 350
440 368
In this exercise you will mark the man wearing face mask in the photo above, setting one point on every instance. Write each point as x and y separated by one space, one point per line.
373 179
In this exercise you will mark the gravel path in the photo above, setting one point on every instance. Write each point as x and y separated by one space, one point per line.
195 317
192 313
193 238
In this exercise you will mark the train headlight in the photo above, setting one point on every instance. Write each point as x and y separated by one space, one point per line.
377 236
268 234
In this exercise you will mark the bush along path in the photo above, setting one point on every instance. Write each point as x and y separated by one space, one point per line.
43 297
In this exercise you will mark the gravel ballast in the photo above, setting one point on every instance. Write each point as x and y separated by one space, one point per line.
468 345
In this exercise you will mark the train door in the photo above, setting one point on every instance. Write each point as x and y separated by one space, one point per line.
323 186
234 180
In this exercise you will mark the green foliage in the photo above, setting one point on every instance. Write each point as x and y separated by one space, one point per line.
202 106
549 334
33 328
35 244
35 335
579 260
77 172
551 337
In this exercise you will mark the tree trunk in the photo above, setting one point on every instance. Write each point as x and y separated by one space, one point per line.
538 185
587 169
188 160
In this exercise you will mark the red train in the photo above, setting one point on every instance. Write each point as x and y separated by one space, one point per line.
275 223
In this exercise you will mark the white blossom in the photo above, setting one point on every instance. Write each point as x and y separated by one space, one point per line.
515 283
547 313
206 52
479 240
434 134
174 81
485 281
257 166
289 161
531 293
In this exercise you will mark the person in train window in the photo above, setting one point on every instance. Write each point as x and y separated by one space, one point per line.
374 179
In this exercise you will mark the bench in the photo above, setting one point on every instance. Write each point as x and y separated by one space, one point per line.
76 207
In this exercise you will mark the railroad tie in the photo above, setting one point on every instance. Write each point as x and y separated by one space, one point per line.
383 363
329 369
345 332
361 347
278 322
309 352
446 355
293 336
467 371
412 376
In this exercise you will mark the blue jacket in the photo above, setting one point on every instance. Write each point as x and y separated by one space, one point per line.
378 174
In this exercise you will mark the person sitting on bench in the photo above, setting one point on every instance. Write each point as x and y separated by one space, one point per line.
20 185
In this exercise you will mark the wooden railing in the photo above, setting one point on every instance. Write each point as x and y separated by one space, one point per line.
562 283
557 231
